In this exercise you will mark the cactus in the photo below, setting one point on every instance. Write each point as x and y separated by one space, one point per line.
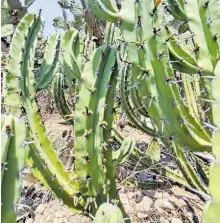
135 113
93 180
153 89
20 98
121 155
141 24
93 121
211 211
59 97
13 136
16 4
154 54
11 12
50 61
71 46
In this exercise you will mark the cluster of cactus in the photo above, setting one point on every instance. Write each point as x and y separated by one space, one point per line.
93 181
20 86
156 53
147 70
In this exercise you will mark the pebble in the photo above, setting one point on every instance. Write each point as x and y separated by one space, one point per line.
176 220
29 220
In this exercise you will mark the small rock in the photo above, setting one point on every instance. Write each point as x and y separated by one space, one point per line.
49 218
164 220
168 205
176 220
144 205
190 215
128 209
29 220
40 208
57 220
130 195
85 220
177 201
163 204
59 214
147 202
155 194
124 199
78 219
142 215
158 204
138 196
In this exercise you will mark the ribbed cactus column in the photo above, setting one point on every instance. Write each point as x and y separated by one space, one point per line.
94 114
71 55
202 19
59 97
211 211
13 136
50 62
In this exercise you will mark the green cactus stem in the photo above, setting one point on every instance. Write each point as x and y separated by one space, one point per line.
60 100
211 212
71 46
121 155
94 116
12 163
128 108
50 61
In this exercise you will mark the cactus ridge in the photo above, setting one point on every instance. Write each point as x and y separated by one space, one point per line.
176 9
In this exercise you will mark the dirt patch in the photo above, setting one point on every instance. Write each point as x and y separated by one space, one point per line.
174 205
